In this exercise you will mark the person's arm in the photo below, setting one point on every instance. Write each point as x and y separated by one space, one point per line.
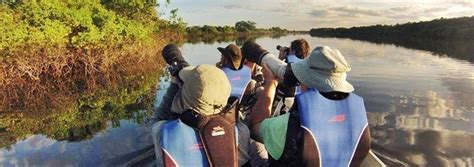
163 111
263 106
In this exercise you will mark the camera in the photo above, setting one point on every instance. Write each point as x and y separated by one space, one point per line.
174 69
286 51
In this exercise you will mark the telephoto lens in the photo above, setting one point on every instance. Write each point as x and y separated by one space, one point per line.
174 58
255 53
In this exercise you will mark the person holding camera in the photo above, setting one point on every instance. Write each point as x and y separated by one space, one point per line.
326 126
299 49
284 98
196 123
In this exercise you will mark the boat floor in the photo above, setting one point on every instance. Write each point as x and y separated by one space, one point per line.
147 159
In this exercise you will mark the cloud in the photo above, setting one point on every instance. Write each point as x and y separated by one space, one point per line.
349 11
306 14
233 6
466 3
319 13
402 9
435 9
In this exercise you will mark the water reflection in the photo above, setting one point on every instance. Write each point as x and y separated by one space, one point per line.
89 131
239 39
453 48
43 151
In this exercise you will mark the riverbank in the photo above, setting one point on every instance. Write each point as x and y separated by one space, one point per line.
56 52
242 29
439 37
440 29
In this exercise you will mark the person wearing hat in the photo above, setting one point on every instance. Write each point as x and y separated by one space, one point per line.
205 91
327 125
231 57
245 76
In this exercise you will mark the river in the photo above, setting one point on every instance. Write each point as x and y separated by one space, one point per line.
420 107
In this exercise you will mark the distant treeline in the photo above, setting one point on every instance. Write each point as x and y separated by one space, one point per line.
241 27
456 28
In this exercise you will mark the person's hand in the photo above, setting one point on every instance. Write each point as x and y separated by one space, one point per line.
268 75
282 53
175 80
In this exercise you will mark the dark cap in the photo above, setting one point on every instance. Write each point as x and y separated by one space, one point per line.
232 54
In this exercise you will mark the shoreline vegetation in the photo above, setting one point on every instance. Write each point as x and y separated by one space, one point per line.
443 37
241 28
57 51
68 68
439 29
241 31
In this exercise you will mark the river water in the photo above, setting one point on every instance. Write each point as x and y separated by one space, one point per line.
420 107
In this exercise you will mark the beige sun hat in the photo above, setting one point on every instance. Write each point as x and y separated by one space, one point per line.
325 69
205 90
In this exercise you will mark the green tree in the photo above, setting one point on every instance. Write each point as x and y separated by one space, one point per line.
245 26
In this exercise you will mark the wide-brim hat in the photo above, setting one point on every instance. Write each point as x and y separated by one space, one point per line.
232 54
205 89
325 69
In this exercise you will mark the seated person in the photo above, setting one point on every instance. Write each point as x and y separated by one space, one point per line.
284 98
241 74
238 71
299 49
327 125
201 91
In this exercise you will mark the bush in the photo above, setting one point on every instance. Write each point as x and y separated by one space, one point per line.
72 24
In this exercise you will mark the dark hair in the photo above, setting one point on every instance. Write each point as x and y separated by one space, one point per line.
301 48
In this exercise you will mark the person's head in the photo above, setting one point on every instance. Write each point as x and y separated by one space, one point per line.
231 56
325 69
300 48
205 89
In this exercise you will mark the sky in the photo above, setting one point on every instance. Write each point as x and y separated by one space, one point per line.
307 14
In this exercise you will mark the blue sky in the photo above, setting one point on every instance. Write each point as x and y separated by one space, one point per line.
307 14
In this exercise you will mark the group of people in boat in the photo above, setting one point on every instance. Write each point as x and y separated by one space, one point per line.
256 109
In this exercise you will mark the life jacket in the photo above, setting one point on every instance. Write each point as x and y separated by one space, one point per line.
239 79
332 129
335 127
201 141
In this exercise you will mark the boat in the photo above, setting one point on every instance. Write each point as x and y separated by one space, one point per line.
147 159
372 161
